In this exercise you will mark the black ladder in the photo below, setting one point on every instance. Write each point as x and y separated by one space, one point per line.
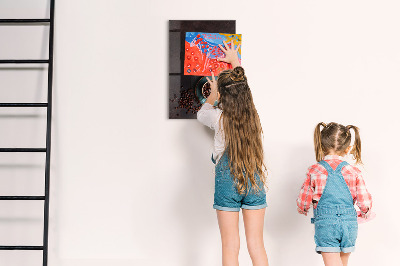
47 105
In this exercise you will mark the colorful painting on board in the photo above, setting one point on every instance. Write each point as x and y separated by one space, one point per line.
202 51
187 92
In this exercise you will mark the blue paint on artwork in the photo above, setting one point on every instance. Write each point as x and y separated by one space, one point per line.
212 40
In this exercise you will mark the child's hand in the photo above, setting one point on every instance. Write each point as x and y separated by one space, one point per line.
213 83
231 54
214 90
362 218
301 211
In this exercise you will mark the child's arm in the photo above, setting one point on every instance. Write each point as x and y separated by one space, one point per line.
305 197
214 90
208 115
364 199
231 54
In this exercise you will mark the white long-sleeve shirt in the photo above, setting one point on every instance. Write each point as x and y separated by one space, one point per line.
209 116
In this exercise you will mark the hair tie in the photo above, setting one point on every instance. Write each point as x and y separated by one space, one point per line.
236 77
233 84
348 130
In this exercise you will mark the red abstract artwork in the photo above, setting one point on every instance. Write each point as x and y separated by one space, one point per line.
202 51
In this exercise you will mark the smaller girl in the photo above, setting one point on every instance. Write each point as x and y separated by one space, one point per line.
334 186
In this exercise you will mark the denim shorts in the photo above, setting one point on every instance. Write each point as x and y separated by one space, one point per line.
226 195
335 232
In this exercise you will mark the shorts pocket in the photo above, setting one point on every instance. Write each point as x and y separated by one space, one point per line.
326 232
352 228
224 182
225 194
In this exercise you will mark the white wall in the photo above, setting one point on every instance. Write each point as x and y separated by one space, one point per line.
131 187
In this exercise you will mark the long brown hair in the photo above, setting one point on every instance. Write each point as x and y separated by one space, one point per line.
242 129
336 137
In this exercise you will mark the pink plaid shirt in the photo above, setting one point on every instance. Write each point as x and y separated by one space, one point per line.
314 185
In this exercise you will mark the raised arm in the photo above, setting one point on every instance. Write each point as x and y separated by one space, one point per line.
231 57
214 90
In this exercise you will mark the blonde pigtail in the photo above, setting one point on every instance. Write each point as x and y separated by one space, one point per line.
319 153
356 151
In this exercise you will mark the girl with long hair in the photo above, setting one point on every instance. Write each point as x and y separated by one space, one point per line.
240 172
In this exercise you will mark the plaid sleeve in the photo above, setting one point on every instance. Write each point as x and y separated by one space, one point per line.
305 197
364 199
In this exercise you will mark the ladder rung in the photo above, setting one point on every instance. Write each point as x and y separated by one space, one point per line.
21 247
23 104
22 197
22 149
24 61
25 20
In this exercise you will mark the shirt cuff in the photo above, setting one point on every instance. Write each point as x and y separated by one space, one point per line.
208 105
301 211
365 214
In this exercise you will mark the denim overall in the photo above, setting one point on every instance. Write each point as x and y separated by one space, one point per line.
335 218
226 195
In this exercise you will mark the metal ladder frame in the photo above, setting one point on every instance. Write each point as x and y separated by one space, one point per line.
47 149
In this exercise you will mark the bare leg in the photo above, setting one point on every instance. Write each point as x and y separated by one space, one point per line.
345 258
254 227
229 228
332 259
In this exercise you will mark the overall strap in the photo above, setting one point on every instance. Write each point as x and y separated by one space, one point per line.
212 159
336 197
340 166
326 166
